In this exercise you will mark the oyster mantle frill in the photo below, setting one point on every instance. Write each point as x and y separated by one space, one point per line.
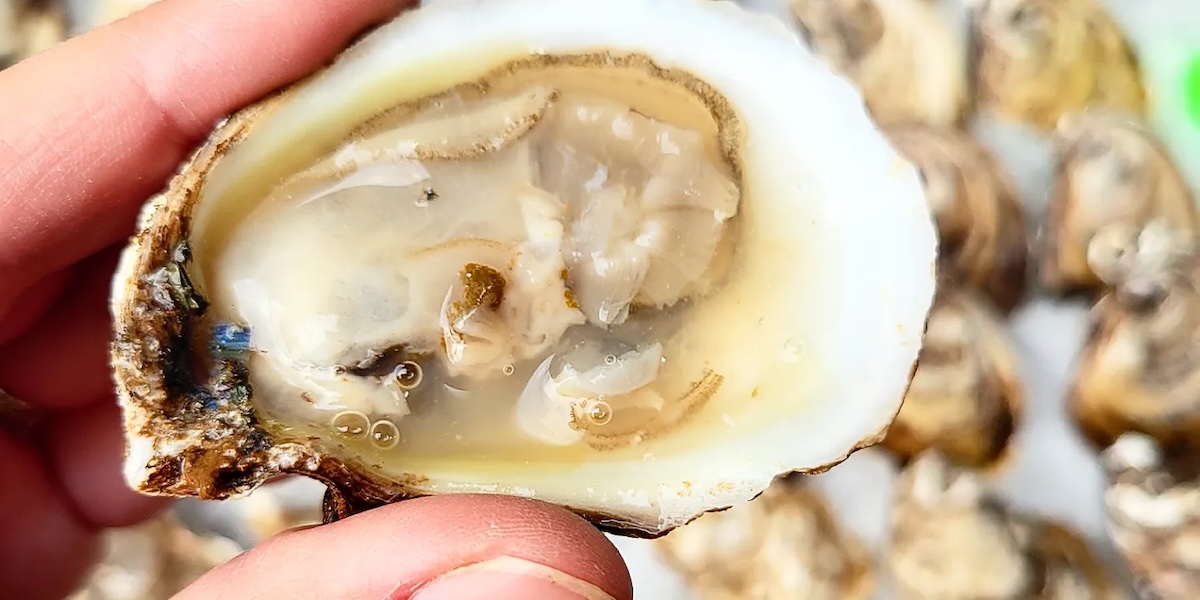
590 253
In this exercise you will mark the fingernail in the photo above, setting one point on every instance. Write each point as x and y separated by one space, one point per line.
508 578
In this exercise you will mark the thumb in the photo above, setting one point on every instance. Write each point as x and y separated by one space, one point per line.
442 548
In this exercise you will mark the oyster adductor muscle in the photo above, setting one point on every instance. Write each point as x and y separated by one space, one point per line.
558 249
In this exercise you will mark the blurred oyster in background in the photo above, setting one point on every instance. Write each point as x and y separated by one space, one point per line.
153 561
1140 369
1036 60
980 220
965 398
28 27
1114 179
951 538
1153 507
907 60
786 544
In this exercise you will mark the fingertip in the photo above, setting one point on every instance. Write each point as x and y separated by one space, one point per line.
398 550
87 448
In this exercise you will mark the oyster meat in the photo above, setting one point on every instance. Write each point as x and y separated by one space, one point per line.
1140 368
1153 508
1114 179
950 538
981 223
567 250
1038 60
965 398
784 544
908 61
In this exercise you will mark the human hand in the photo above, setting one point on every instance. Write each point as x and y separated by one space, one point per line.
89 131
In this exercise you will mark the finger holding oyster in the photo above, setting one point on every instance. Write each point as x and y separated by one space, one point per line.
907 60
950 538
1038 60
542 248
784 544
965 398
1113 180
1153 509
1140 368
981 223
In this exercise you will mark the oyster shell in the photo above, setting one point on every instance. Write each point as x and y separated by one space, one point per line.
784 544
965 398
908 61
153 561
666 297
1114 179
28 27
1153 508
1140 368
981 223
1038 60
951 539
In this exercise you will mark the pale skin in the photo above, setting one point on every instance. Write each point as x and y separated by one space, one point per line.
89 131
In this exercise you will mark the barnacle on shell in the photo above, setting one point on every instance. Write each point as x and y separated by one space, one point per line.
1037 60
785 544
1153 507
965 397
950 538
1140 368
981 223
905 58
1113 180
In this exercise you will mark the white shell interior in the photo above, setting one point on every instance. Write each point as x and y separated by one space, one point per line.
829 304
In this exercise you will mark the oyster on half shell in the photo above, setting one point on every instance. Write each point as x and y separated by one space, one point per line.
785 544
590 253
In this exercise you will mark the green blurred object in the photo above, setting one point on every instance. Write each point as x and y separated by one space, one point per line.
1191 89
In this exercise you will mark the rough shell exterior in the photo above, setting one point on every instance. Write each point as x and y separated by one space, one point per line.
951 539
966 398
1153 508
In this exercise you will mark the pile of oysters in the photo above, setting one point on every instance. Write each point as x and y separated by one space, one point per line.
558 249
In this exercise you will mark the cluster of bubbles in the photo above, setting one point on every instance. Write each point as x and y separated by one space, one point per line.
383 433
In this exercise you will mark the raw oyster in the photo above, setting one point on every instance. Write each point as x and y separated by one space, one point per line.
28 27
1153 508
785 544
1140 368
965 398
951 539
981 224
908 61
667 296
1038 60
1114 179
